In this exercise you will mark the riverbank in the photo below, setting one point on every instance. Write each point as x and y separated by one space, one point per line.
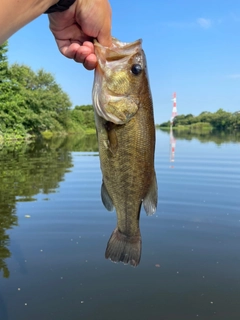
199 126
220 120
13 138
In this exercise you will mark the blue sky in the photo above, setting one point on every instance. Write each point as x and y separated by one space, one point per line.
192 47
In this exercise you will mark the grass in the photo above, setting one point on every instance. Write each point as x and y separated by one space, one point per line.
47 134
199 126
90 131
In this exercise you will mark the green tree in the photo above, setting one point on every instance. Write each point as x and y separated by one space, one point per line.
32 102
84 107
84 116
10 98
3 62
220 120
45 105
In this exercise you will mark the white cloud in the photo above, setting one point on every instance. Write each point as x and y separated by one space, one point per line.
234 76
204 23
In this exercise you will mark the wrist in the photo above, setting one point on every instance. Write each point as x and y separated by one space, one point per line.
60 6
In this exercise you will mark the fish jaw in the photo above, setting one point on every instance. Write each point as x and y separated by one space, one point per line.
112 96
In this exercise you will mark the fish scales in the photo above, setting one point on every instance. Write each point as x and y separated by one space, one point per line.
126 138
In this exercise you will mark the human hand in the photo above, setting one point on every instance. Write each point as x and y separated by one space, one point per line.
75 29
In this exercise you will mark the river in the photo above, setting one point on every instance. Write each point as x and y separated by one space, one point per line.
54 231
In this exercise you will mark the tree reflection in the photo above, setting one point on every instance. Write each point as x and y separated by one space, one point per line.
28 169
215 136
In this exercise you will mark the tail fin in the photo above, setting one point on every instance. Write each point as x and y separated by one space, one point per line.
123 248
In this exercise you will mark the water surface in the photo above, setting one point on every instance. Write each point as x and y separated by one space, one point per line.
54 231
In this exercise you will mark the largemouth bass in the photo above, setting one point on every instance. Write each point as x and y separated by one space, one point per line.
126 136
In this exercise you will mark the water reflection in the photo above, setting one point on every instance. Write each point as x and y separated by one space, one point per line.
172 148
190 247
216 136
27 170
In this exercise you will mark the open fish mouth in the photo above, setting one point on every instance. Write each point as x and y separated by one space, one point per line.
118 51
114 61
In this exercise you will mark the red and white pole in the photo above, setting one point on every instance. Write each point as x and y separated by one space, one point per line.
174 109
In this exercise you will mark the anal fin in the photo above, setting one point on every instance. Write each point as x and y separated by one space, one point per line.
151 199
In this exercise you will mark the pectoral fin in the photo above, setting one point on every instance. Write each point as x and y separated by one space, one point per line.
112 137
151 199
106 199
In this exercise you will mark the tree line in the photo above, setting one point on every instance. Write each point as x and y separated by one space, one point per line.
32 103
218 120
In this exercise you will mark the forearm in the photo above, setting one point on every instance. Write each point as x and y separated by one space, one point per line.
14 14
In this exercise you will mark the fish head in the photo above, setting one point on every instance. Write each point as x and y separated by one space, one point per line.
120 75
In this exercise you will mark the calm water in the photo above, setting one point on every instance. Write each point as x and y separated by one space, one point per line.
54 230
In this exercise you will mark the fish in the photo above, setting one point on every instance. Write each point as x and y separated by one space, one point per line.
124 119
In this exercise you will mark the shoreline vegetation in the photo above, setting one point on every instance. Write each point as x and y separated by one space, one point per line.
33 105
204 122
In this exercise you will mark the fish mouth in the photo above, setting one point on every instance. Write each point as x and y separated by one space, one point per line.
110 59
118 51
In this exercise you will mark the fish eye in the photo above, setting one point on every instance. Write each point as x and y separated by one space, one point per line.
136 69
